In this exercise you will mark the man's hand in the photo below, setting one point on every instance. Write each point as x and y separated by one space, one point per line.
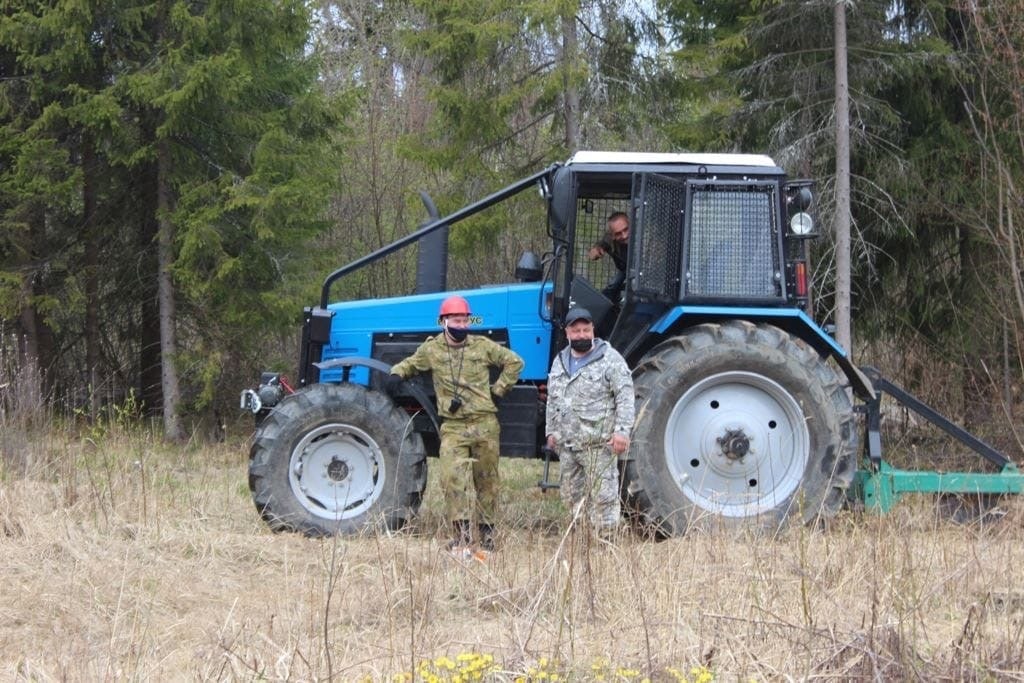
595 252
552 442
619 444
392 383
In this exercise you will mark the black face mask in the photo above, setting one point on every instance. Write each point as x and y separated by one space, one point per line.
581 345
458 334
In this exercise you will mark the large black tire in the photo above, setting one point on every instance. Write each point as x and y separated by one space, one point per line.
738 425
337 459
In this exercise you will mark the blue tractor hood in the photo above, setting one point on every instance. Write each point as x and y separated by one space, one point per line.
515 312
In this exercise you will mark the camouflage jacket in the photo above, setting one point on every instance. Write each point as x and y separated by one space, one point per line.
593 403
463 372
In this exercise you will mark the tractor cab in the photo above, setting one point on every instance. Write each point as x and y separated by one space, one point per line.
705 231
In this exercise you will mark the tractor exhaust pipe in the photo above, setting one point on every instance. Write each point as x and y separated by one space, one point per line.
432 260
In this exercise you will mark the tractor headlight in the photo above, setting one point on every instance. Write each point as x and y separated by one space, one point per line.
801 224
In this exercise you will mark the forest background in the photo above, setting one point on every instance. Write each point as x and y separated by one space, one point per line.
177 178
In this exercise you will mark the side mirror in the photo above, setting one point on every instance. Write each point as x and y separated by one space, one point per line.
529 268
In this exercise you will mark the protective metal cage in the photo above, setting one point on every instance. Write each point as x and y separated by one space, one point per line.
591 228
733 243
654 250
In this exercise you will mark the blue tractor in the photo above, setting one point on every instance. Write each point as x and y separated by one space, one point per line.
745 405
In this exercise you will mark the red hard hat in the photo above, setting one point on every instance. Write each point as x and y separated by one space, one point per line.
454 305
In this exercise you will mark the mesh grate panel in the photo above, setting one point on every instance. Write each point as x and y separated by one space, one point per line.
591 228
732 250
656 262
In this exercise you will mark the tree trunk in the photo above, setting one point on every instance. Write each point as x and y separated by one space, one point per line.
173 428
842 218
35 342
90 269
571 94
28 389
150 365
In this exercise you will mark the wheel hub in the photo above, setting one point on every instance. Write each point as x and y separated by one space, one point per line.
337 470
735 444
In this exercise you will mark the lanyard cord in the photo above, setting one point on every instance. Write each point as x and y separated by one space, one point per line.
451 368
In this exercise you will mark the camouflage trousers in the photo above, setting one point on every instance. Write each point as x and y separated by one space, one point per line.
590 478
469 468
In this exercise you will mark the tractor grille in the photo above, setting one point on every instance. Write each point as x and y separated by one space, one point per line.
655 247
732 250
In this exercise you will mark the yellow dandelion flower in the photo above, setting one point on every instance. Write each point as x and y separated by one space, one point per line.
702 674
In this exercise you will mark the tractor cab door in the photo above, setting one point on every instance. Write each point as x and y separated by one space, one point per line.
653 274
625 302
596 282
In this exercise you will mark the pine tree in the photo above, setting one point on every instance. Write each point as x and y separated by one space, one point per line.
201 127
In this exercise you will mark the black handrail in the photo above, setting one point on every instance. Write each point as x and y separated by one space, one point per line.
430 227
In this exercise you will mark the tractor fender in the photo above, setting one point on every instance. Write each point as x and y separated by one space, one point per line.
792 320
379 366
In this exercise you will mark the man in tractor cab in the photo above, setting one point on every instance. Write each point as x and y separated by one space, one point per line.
460 364
615 245
590 412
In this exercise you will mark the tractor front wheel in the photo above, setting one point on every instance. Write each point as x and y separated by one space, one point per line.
336 459
738 424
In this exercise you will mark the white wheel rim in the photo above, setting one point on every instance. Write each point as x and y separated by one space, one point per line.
737 444
337 471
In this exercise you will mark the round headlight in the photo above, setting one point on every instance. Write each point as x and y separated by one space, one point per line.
801 224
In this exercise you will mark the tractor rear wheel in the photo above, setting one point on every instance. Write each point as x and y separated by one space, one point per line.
738 425
336 459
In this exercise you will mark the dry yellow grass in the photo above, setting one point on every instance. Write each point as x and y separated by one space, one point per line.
123 558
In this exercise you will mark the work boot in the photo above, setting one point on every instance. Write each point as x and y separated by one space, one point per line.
487 537
462 535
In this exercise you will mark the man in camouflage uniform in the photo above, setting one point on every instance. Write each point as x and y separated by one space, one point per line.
460 367
590 413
